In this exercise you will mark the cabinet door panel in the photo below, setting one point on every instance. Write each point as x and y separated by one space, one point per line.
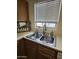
30 52
43 56
22 10
20 51
47 50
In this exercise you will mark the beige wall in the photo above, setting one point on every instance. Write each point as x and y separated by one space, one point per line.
31 13
58 31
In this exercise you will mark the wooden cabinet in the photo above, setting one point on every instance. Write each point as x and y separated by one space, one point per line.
35 51
20 48
22 10
30 52
30 49
46 53
42 55
20 42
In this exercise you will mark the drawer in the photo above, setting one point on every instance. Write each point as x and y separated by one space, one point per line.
47 50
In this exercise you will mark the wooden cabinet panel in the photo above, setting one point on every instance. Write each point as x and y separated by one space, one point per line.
20 42
30 52
30 49
22 10
20 51
46 53
20 47
34 51
30 44
47 50
42 55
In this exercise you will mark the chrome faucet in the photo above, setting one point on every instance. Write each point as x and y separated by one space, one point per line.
44 29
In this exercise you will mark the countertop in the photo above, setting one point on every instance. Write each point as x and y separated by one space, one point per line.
58 40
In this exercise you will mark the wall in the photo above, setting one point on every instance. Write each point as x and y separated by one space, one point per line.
31 13
58 31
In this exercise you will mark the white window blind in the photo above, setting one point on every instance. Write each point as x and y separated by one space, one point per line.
47 11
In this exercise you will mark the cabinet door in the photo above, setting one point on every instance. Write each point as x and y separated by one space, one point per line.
20 47
20 51
30 52
46 53
30 49
22 10
42 55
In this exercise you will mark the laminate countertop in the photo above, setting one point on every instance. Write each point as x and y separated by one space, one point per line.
58 41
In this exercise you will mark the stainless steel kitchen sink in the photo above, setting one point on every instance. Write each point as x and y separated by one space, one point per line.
35 36
40 37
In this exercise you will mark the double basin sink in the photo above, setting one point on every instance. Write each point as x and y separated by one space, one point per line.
40 37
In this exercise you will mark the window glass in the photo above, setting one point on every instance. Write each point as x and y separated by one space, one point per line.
50 25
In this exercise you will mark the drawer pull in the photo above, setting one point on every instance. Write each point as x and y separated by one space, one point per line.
21 56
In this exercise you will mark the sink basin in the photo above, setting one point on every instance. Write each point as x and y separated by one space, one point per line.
35 36
47 39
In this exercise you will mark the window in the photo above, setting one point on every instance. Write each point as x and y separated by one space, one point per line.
52 25
49 25
40 24
47 13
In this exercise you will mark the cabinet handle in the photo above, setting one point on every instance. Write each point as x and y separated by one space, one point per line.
21 56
